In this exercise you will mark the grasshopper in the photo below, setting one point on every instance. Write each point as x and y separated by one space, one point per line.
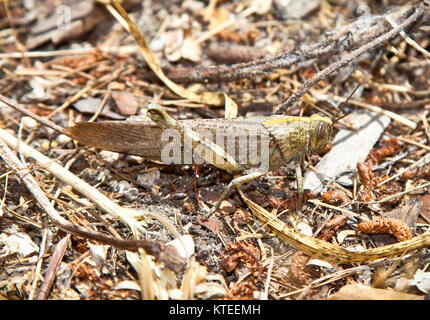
242 145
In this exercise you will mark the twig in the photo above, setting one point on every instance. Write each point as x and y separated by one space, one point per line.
281 109
90 85
422 186
68 52
102 105
23 110
414 143
329 206
257 67
56 259
405 105
424 160
408 39
19 44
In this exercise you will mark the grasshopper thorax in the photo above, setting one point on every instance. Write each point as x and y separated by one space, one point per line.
319 132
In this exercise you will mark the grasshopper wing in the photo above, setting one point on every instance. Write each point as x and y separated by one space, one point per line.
141 138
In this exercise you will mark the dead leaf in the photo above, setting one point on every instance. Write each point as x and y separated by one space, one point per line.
212 223
362 292
19 243
91 105
125 102
422 281
425 209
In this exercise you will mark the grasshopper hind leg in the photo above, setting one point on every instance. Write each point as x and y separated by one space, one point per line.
300 190
236 182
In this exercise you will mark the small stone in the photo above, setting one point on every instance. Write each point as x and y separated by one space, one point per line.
210 195
293 9
131 194
29 123
188 242
62 139
149 178
109 156
226 207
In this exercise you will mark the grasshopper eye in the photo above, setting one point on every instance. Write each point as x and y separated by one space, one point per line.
321 136
321 132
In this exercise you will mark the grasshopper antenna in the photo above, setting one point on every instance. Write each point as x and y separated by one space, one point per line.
344 103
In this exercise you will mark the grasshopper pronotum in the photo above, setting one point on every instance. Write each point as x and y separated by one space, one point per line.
254 144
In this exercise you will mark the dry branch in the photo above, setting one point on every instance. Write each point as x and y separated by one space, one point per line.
56 259
328 47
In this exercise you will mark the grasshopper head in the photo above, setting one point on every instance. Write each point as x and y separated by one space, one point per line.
157 114
320 132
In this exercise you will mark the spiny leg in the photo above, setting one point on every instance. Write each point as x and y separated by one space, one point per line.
236 182
300 190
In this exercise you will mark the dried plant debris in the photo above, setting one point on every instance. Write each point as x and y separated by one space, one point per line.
242 253
371 187
297 272
241 291
363 292
82 223
299 260
332 226
335 197
394 227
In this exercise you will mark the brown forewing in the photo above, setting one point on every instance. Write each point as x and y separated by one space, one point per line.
143 138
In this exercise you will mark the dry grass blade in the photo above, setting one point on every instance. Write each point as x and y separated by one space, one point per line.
326 251
194 274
